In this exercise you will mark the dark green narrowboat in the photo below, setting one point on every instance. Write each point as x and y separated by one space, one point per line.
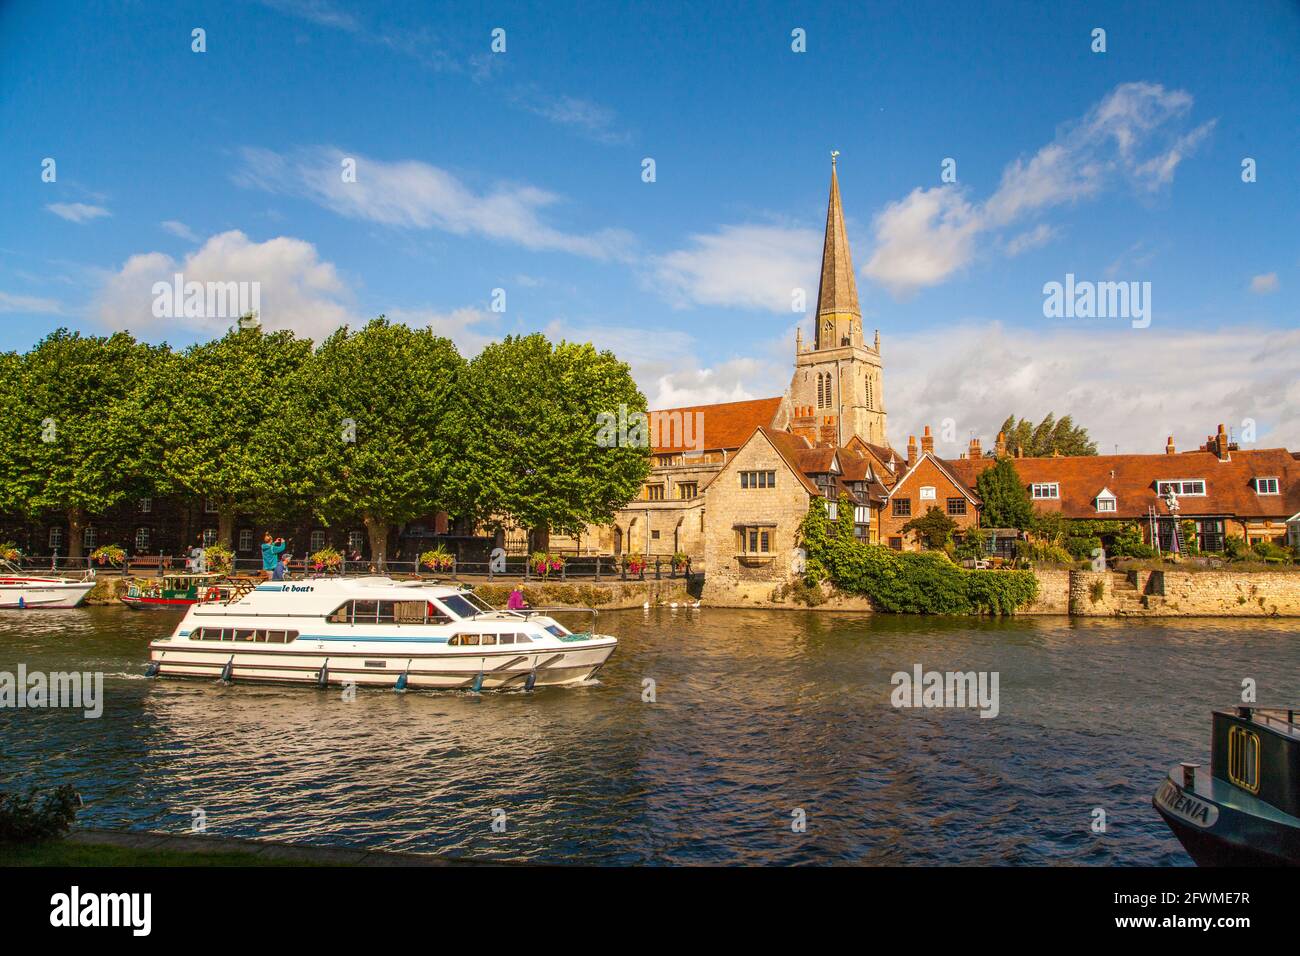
1245 811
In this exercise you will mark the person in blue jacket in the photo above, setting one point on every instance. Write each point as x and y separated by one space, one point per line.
271 551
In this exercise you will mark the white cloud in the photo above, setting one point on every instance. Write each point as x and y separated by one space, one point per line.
589 118
1031 239
752 266
1135 134
179 229
463 326
29 304
77 211
1127 386
1264 284
298 291
417 195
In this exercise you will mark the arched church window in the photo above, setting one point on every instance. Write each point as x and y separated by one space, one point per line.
828 333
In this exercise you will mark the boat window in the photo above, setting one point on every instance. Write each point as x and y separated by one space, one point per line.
1243 758
468 640
477 601
489 638
434 614
259 635
365 612
507 639
523 639
458 605
340 616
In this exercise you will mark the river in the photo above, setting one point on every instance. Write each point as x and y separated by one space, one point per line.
760 719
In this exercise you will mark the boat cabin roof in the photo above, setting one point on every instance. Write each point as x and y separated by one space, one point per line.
323 596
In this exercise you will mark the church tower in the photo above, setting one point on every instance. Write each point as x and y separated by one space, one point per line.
837 390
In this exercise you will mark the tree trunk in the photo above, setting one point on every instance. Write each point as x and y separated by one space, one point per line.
378 531
541 536
76 526
226 527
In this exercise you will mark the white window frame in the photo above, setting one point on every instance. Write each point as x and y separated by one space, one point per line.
146 505
927 493
1162 487
1114 505
1051 491
245 539
317 541
209 537
89 536
148 539
1277 486
210 507
55 538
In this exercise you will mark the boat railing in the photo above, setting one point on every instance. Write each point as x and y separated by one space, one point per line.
529 612
1281 719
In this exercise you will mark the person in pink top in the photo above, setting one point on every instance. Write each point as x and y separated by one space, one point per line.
516 601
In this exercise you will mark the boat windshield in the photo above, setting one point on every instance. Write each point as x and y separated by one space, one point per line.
458 605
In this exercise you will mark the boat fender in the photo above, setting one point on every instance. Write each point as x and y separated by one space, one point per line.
530 681
152 669
323 676
21 603
401 681
478 683
227 672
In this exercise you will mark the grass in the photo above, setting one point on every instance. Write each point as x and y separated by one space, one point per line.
94 854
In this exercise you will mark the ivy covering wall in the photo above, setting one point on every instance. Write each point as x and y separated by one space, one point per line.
925 582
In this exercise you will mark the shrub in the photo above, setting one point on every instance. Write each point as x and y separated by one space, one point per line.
1081 548
37 814
219 558
1270 552
680 560
10 551
1234 547
913 583
1097 591
934 527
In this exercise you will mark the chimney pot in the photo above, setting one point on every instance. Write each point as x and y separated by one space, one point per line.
1169 446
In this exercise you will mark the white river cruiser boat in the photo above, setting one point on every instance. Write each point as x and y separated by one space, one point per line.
19 589
375 632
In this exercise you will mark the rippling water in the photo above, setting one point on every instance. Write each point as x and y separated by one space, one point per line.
757 713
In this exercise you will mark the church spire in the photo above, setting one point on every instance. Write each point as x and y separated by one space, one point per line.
837 295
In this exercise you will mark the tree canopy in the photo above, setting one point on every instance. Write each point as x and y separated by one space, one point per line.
1049 437
1006 499
536 458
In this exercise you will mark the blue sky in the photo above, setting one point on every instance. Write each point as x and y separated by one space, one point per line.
522 171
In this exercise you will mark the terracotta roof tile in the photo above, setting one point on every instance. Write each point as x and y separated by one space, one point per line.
725 426
1229 489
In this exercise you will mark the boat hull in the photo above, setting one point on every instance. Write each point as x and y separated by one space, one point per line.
43 595
1215 833
423 669
157 604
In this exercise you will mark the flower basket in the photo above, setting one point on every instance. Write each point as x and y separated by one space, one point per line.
326 561
438 559
10 551
544 564
680 561
634 564
110 554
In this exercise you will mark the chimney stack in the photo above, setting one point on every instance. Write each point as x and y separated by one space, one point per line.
912 455
975 452
1169 446
1000 449
1221 444
927 441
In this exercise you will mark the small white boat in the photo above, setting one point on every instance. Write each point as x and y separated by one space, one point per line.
375 632
19 589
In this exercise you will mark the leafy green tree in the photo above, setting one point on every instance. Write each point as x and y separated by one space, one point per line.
934 527
72 444
372 426
1049 437
209 411
1006 499
541 456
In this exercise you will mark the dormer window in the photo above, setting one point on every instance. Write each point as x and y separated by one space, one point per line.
1105 500
1042 490
1267 486
1182 487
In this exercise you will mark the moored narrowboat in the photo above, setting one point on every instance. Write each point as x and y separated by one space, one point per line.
176 591
1245 810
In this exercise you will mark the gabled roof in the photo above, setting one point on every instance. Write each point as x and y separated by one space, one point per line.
790 447
958 482
1229 486
726 426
